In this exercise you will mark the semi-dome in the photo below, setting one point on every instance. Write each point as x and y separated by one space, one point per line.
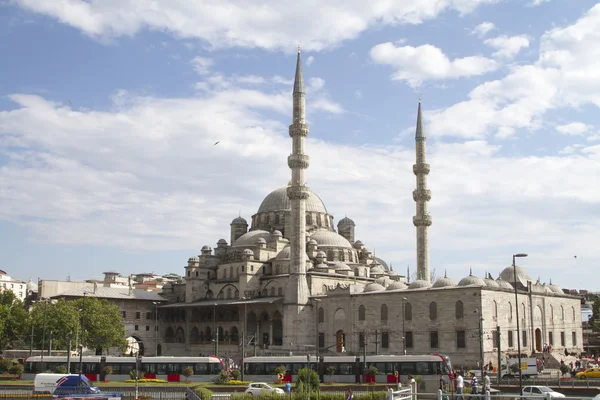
346 221
330 239
502 284
383 263
373 287
249 239
419 284
471 280
340 266
31 286
444 282
285 254
555 288
239 220
396 286
508 275
278 200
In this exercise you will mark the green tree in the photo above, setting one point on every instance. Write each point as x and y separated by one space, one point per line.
596 315
104 326
308 375
59 318
14 321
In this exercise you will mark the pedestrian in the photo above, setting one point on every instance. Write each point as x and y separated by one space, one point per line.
459 386
474 385
490 366
349 395
486 383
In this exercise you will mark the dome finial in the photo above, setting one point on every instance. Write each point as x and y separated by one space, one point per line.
470 271
551 281
445 272
298 47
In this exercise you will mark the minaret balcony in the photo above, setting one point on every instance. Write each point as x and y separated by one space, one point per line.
422 220
421 168
298 129
422 195
298 161
298 192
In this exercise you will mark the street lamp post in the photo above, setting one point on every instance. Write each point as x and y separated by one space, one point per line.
480 342
44 331
82 333
244 336
317 344
215 330
517 315
403 330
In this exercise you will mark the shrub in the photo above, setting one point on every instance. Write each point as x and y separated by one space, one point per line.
5 365
222 378
330 371
144 380
372 370
235 374
564 369
203 393
16 370
238 382
187 372
134 374
107 370
61 369
308 375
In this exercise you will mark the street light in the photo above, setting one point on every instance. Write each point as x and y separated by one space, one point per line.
403 330
244 336
480 342
44 330
318 344
156 303
517 315
215 330
82 332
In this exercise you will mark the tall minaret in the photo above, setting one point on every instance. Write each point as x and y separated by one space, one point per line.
297 293
422 220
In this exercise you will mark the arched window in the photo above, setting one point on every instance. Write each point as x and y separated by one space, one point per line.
229 293
361 313
573 308
277 219
272 291
562 313
209 294
221 295
321 315
524 310
510 311
277 269
408 312
265 293
234 335
342 256
356 271
495 310
308 219
551 313
237 294
459 310
384 312
280 292
433 310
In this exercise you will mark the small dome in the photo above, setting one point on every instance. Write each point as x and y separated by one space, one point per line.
377 270
277 233
373 287
382 263
248 252
239 220
555 288
194 259
222 241
547 289
206 248
502 284
508 275
346 221
472 280
444 282
312 242
285 253
278 200
261 240
358 244
340 266
31 286
419 284
383 281
321 254
490 282
330 239
396 286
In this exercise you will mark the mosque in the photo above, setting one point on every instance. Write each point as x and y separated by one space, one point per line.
292 281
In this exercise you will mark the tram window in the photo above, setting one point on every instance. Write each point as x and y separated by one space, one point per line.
174 368
425 368
380 367
201 369
127 368
215 368
161 369
116 369
90 368
346 369
408 368
270 368
150 368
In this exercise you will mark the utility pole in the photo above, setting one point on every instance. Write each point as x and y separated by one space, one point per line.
244 336
31 342
50 344
44 331
69 353
364 356
499 369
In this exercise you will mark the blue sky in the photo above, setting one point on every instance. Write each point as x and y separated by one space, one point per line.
109 110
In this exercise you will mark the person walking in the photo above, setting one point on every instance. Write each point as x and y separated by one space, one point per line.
486 383
349 395
460 383
474 385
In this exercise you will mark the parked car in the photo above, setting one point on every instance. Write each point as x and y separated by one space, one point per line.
588 373
539 392
257 388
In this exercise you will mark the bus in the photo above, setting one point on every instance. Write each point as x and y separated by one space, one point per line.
392 369
166 368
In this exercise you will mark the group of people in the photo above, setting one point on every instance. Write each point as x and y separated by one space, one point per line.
475 385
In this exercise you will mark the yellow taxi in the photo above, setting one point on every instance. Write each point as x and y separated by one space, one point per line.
588 373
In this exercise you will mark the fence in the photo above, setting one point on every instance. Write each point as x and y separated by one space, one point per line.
128 393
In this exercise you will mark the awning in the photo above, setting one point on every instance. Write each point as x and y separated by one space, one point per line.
224 302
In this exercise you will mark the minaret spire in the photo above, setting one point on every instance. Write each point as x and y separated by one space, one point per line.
297 293
421 195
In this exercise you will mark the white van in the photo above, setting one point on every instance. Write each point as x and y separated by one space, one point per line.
62 384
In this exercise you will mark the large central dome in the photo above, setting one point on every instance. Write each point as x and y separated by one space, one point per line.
278 200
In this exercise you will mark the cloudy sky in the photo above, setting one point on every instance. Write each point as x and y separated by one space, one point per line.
109 110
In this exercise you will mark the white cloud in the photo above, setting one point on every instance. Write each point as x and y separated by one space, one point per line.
565 75
573 128
202 65
147 176
358 94
241 23
508 46
310 60
417 64
538 2
483 29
